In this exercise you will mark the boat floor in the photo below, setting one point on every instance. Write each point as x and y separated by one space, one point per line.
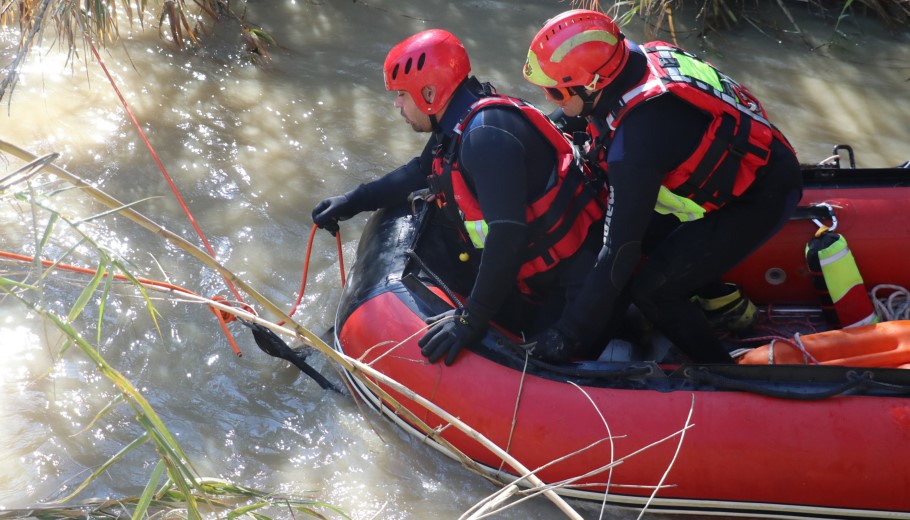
638 341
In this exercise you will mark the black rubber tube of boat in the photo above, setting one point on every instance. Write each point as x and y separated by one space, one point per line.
855 380
574 370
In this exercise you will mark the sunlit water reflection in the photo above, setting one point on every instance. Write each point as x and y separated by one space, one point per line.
251 150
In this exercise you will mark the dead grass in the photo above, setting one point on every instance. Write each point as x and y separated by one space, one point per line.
722 15
80 25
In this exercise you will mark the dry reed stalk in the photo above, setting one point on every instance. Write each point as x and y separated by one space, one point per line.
27 172
603 504
534 491
361 371
524 372
682 436
503 493
570 481
490 505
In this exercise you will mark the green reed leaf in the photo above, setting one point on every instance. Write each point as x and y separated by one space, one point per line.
146 498
142 439
87 292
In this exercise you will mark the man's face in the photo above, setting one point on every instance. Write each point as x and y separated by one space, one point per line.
419 121
570 102
572 106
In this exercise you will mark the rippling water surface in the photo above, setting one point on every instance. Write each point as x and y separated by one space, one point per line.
252 149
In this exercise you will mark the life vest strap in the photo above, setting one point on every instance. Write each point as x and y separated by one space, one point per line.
567 206
441 184
713 179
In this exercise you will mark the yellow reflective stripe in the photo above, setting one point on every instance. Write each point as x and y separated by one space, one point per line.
535 74
839 269
669 203
627 98
595 35
477 231
836 255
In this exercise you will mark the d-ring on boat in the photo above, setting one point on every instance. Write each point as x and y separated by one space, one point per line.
812 439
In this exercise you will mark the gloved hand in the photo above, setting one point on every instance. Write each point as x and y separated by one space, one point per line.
330 211
551 346
448 336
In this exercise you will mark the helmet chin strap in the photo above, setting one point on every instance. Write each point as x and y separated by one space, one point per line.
587 97
434 123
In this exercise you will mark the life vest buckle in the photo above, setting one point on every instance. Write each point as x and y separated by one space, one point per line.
581 139
668 62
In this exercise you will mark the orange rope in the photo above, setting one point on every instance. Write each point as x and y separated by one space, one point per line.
223 317
167 177
176 192
306 267
340 256
85 270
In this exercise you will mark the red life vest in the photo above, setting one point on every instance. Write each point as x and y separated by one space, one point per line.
558 219
737 142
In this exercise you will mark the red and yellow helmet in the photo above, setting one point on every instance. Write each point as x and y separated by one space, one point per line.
578 48
429 58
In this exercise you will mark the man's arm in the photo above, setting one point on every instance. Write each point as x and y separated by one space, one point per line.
390 189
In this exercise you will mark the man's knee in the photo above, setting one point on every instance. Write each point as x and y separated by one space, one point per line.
647 289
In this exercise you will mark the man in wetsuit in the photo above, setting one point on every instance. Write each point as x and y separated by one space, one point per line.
501 170
676 136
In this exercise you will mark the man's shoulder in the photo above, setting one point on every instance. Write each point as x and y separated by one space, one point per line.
498 115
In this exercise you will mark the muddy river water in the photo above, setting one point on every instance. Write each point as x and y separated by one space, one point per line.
251 150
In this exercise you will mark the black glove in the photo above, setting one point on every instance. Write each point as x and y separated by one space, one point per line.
328 212
451 335
551 346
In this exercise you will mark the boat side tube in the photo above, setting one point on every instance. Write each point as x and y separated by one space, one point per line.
385 263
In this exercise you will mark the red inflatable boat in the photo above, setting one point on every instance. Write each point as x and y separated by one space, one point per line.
788 436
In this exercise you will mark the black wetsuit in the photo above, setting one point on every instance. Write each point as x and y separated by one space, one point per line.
507 162
680 258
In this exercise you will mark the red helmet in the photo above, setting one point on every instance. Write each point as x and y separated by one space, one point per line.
579 48
430 58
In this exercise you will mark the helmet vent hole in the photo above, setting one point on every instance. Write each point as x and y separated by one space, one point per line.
395 71
407 66
420 60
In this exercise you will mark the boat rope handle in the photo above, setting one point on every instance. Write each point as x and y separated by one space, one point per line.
703 374
868 379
